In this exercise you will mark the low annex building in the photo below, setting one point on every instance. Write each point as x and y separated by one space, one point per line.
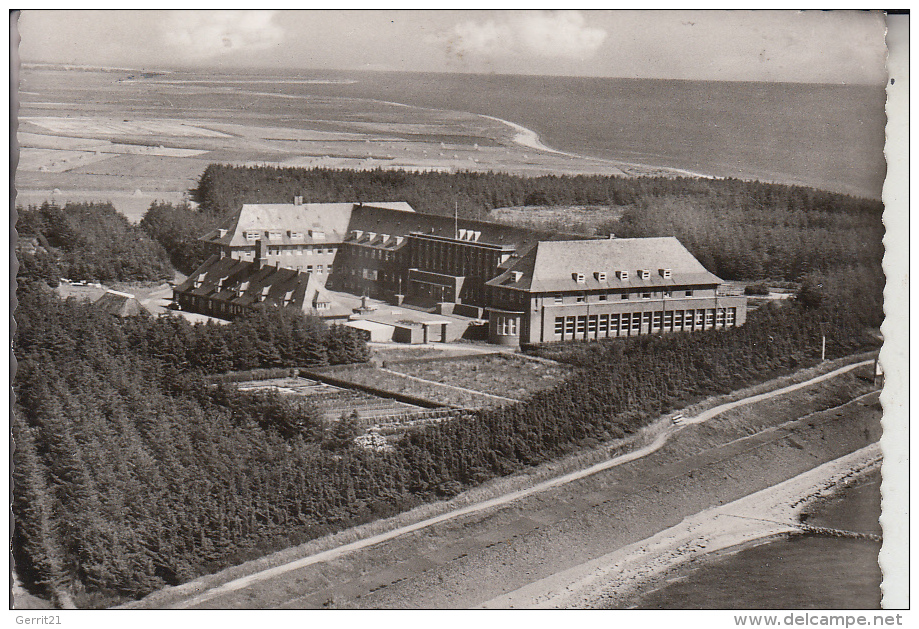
227 288
534 286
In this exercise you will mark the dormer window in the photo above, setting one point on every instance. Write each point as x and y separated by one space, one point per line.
295 235
288 297
315 234
666 273
578 277
644 274
518 275
199 280
253 235
221 233
462 234
242 288
600 275
264 293
623 275
274 235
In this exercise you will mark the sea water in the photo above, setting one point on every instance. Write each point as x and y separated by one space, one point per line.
801 572
824 136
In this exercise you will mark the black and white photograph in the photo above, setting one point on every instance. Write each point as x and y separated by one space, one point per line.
457 310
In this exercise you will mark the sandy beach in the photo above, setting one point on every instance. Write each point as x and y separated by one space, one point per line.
618 577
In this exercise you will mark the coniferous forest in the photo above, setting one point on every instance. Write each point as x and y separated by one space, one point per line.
133 470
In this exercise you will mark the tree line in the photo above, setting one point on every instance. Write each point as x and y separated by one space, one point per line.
134 471
88 241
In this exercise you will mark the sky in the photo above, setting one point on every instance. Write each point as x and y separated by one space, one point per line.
813 46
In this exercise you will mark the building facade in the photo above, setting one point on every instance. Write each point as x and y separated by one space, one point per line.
582 290
533 286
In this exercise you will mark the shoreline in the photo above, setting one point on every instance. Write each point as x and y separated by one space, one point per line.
619 578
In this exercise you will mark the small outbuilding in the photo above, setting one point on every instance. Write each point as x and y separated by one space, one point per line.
121 304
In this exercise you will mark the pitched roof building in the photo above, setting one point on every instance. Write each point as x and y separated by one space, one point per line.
226 288
535 286
121 304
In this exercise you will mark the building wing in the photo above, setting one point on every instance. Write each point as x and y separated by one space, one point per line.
559 266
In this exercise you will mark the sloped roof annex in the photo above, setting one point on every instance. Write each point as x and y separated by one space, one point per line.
551 265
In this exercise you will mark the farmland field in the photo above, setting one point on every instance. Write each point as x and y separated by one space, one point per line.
498 374
397 383
334 402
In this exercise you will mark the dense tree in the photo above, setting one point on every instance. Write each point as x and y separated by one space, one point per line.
89 241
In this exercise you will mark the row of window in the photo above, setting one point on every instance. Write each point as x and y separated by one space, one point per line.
374 254
505 325
580 299
604 325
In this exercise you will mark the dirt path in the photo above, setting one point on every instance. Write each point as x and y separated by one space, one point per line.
202 598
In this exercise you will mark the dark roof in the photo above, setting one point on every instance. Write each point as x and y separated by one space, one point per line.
243 283
386 221
551 265
329 219
121 304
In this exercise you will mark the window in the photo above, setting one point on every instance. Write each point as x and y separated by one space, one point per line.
330 251
592 325
689 293
625 295
253 235
668 320
582 324
559 326
569 326
578 277
603 297
678 319
668 292
646 295
709 317
636 321
274 235
731 316
646 319
309 268
623 275
656 322
559 299
601 276
700 317
719 317
666 273
644 274
581 299
604 324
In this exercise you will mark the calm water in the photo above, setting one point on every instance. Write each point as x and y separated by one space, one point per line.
807 572
825 136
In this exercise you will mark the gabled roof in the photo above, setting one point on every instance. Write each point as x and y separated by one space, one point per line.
121 304
550 265
242 283
379 220
331 219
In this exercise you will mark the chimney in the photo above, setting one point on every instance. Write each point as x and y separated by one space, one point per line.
261 253
298 200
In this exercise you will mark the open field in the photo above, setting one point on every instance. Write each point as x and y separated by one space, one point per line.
505 375
335 402
91 136
386 380
483 553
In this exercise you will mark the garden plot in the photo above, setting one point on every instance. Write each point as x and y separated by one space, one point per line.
333 402
504 375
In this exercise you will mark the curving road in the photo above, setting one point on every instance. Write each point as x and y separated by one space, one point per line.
328 555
